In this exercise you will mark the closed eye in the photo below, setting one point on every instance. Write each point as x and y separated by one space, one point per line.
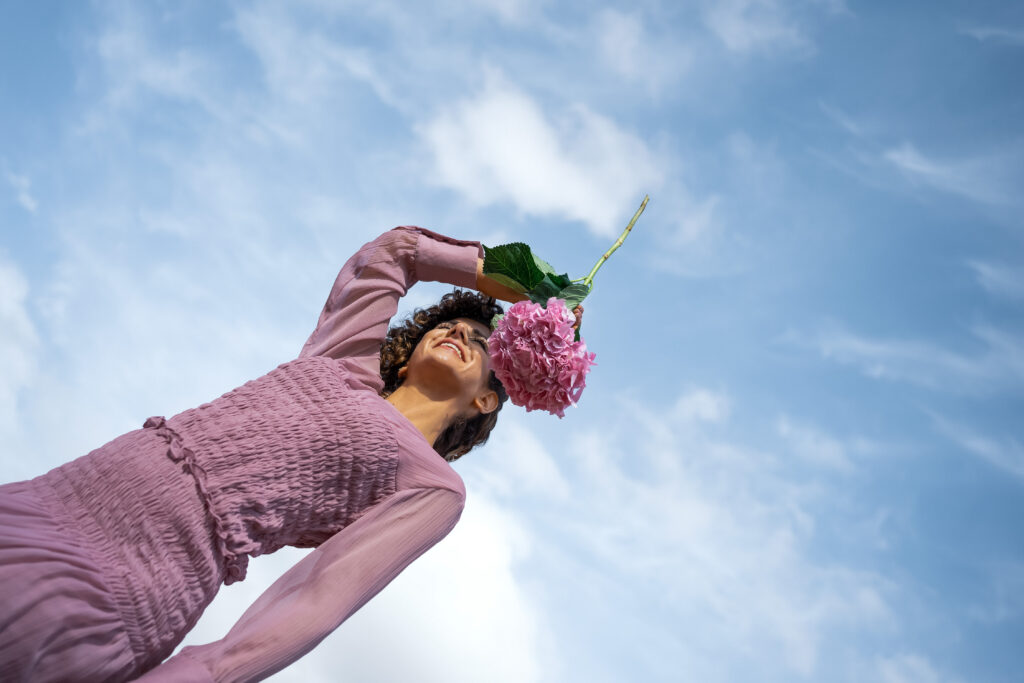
477 338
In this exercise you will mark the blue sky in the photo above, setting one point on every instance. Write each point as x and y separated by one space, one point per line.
800 456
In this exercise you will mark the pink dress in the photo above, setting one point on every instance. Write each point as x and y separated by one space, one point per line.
108 561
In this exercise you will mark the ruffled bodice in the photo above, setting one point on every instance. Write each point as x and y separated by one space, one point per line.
287 459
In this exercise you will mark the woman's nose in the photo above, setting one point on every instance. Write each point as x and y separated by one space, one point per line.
462 330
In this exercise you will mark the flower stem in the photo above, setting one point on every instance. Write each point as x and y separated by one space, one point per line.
589 279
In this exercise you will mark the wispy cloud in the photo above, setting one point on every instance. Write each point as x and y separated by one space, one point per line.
1005 599
996 34
18 346
502 146
843 119
1006 454
997 366
998 279
754 25
22 186
630 48
985 179
814 446
908 668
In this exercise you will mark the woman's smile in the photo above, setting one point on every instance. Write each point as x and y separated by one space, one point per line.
455 347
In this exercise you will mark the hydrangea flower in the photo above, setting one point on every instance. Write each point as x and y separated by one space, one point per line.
533 353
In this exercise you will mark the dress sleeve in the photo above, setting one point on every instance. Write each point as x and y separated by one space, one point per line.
326 587
365 295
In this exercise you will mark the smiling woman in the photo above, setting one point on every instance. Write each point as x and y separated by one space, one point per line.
108 561
460 322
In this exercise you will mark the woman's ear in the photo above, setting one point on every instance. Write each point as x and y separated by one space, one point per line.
487 401
403 371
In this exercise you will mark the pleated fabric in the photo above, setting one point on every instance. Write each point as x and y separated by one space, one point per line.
59 622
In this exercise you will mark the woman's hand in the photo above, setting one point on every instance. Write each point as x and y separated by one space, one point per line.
578 312
486 285
493 288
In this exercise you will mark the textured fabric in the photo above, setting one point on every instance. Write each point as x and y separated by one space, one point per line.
47 578
154 521
287 459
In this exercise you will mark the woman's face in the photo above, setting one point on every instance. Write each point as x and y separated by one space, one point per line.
451 360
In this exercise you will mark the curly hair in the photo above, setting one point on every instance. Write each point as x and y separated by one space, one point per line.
462 435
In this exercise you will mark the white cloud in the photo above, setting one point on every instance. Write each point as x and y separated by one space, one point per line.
134 67
1001 280
632 50
908 668
701 405
1006 454
995 34
983 179
302 66
814 446
997 366
22 186
753 25
501 146
843 119
1005 599
18 346
510 11
697 220
519 464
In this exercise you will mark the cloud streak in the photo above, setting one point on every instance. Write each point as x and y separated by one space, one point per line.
996 34
19 342
982 179
1004 454
1000 280
997 368
22 187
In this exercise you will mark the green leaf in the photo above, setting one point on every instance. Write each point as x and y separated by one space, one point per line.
543 265
561 281
507 281
496 319
544 290
574 294
515 262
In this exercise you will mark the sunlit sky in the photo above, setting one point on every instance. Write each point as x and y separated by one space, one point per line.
801 454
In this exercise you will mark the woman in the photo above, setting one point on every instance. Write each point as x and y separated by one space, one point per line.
108 561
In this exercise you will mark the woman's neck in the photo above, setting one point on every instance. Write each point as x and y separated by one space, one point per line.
429 415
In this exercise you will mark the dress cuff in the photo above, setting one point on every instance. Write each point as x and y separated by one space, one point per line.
442 259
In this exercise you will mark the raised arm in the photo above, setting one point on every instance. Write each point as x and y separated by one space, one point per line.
366 292
315 596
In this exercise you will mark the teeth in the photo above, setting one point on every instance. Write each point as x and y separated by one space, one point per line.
456 349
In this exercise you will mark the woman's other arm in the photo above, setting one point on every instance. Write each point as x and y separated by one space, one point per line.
315 596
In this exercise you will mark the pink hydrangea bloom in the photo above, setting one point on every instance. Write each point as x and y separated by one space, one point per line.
535 357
